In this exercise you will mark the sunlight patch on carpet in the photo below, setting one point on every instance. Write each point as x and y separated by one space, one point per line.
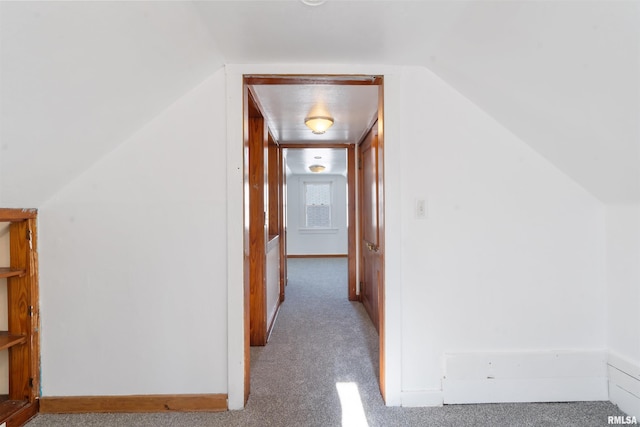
352 409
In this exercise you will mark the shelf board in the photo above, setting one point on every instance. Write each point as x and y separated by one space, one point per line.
9 408
7 340
10 272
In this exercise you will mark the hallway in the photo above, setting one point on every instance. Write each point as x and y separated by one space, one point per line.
320 339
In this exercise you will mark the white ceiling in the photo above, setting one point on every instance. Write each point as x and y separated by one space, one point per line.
354 109
79 77
285 107
334 160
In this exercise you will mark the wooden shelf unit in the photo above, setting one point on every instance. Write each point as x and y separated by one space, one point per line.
22 338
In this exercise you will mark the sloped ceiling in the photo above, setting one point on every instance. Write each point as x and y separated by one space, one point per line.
78 77
564 76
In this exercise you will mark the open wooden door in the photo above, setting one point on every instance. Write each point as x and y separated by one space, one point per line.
370 201
371 197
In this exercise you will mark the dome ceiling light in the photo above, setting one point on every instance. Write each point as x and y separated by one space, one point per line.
316 168
318 124
313 2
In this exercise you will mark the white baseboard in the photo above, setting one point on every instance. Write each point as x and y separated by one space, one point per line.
624 384
559 376
419 399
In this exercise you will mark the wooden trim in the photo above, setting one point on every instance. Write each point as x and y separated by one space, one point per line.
247 104
314 79
351 218
11 214
20 296
319 256
361 249
318 145
372 123
7 340
258 208
134 403
282 211
273 184
23 414
11 272
256 109
34 270
381 231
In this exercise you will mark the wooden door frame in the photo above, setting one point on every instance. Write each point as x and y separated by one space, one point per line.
235 298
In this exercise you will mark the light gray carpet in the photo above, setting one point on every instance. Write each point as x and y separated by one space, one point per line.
320 339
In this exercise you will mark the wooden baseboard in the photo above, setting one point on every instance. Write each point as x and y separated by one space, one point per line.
134 403
319 256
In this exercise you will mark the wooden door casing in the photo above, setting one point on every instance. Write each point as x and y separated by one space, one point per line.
282 188
258 164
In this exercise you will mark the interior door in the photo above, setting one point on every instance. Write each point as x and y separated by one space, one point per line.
370 201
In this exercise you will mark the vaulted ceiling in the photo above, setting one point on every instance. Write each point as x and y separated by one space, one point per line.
78 77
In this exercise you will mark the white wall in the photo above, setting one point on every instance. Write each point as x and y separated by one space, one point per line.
509 261
81 77
134 256
133 261
302 241
510 257
623 277
273 281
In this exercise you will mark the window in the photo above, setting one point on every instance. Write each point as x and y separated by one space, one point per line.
317 204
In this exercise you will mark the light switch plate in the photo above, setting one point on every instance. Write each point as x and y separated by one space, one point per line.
421 208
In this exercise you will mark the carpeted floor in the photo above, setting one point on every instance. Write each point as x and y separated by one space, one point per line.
322 342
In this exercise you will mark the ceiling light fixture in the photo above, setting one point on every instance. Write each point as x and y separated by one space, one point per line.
313 2
318 124
316 168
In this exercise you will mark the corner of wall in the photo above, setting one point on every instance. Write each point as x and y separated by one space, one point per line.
623 294
624 383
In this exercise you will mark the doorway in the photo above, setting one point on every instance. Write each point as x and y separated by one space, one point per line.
279 123
317 203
